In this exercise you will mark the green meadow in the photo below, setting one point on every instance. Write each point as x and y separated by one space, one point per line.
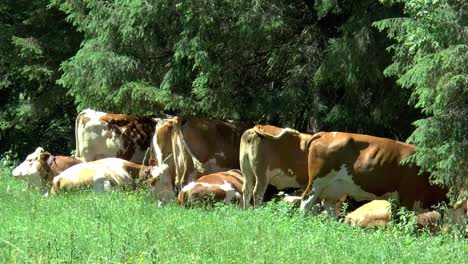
127 227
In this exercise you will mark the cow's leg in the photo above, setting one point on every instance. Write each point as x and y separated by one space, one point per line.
248 173
259 191
316 167
330 207
101 183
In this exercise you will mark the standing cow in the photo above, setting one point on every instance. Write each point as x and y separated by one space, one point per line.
271 155
365 168
187 148
102 135
360 166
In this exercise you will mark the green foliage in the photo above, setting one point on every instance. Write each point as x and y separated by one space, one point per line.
430 58
354 90
229 59
127 227
267 61
33 109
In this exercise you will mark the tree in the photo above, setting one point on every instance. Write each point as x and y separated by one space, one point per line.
266 61
356 95
34 40
430 58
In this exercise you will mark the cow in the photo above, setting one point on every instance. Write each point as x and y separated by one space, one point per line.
101 135
40 167
275 156
101 174
328 165
372 214
365 168
190 148
223 187
378 213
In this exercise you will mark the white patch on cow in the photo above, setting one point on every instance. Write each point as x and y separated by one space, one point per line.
231 193
337 183
95 140
162 187
333 186
281 179
94 116
29 169
157 149
189 186
100 183
334 134
291 199
113 168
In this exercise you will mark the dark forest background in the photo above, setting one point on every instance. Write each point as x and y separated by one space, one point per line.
388 68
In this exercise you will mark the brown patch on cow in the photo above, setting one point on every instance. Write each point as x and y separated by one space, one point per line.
52 166
134 130
85 120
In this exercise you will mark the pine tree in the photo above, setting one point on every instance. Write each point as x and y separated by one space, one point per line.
430 58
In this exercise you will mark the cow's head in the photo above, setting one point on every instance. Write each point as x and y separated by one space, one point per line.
31 170
161 183
458 214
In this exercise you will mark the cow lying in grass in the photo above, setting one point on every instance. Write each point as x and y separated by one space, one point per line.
101 175
223 187
378 213
40 167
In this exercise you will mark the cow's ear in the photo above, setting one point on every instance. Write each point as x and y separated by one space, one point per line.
39 150
44 156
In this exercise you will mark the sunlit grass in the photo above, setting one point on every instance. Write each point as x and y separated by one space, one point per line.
128 227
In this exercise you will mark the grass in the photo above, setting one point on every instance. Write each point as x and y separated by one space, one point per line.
127 227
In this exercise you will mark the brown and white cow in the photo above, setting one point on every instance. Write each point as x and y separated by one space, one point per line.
40 167
102 135
365 168
275 156
192 147
378 213
101 174
223 187
360 166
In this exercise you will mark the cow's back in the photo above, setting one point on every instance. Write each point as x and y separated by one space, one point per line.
216 187
101 135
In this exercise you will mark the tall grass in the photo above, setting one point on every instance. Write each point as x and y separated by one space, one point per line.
127 227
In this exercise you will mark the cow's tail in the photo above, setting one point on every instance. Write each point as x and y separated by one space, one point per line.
77 141
258 129
196 163
246 168
182 198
